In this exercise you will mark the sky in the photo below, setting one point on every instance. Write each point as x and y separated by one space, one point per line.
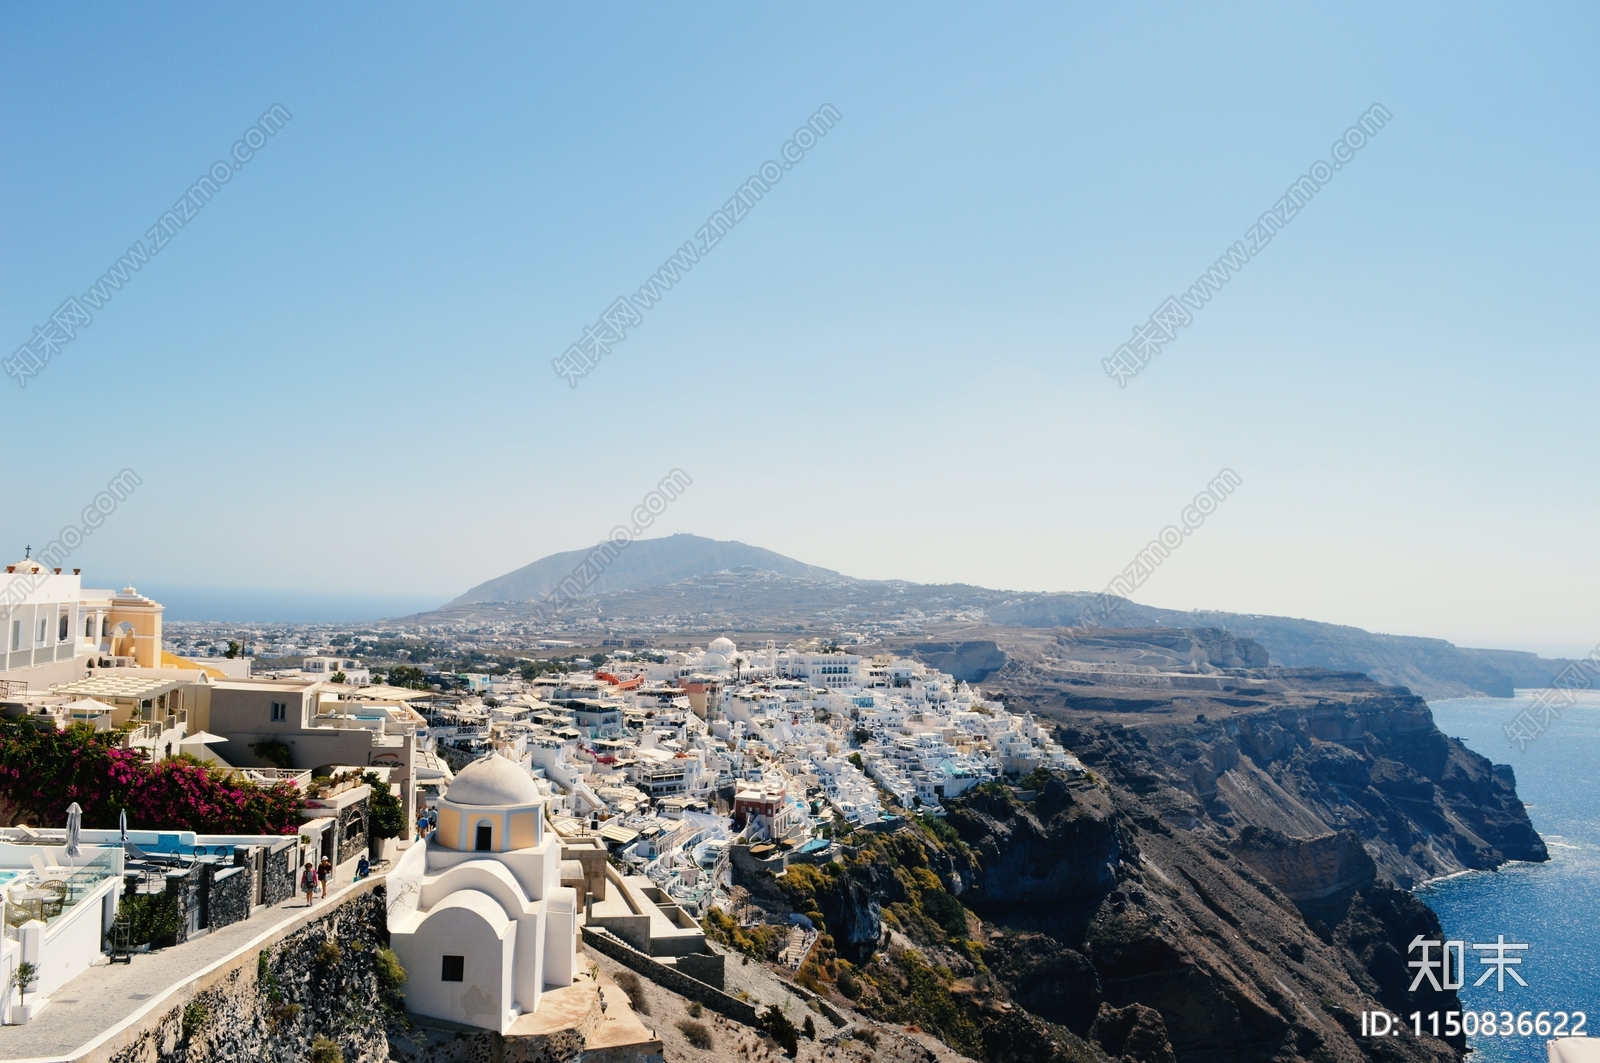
333 378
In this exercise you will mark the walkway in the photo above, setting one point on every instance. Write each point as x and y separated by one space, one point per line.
106 996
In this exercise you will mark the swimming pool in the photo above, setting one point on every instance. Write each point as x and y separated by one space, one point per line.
7 876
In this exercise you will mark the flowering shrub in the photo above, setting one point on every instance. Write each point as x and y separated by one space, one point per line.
42 771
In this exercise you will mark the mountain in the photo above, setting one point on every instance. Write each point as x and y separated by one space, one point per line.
686 582
642 563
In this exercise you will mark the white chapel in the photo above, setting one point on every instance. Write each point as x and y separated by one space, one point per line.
477 913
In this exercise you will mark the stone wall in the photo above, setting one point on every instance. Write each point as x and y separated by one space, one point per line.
228 900
281 868
669 977
270 1007
184 887
352 828
710 968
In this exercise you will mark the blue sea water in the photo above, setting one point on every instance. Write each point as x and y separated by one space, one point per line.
1554 907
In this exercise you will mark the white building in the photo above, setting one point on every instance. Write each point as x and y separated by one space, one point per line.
479 918
355 673
55 629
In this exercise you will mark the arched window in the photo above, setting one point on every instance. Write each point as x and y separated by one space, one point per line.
88 627
105 627
485 838
61 629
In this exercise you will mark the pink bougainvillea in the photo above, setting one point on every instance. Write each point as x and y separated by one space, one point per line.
43 771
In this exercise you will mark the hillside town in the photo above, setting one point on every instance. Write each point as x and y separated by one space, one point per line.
613 792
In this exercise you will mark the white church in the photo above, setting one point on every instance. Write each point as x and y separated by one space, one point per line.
477 913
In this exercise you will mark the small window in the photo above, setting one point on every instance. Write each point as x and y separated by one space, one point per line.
61 635
44 627
280 711
88 627
105 627
485 838
453 969
16 634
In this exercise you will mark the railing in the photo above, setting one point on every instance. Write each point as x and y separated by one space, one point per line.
144 732
271 776
51 896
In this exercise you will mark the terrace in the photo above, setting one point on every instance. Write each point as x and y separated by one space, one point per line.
56 912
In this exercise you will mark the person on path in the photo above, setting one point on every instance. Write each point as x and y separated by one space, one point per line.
324 873
308 883
422 825
363 868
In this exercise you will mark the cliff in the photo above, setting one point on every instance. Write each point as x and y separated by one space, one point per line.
1228 888
331 983
1369 761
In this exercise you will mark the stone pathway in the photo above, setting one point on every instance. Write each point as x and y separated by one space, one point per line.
104 996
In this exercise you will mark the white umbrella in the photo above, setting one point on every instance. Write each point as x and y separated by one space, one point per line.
199 745
122 825
74 826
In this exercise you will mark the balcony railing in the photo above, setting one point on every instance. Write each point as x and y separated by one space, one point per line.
49 897
273 776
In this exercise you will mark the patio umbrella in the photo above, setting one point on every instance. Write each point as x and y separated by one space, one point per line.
74 826
122 825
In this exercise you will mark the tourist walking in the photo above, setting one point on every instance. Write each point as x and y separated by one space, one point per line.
422 825
324 873
308 882
363 868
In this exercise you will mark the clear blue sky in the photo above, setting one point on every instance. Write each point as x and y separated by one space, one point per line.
335 379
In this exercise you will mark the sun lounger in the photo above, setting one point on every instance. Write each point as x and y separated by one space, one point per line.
47 870
136 853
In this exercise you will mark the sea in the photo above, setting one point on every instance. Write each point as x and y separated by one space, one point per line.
1554 907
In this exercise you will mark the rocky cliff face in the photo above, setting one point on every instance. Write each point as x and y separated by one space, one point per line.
1109 917
326 980
1236 888
1372 763
1228 888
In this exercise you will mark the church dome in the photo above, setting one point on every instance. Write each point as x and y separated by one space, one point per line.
493 780
723 646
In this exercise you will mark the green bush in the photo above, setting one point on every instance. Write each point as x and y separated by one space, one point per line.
329 954
776 1025
388 819
946 911
1036 779
194 1017
274 752
391 976
325 1050
151 917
